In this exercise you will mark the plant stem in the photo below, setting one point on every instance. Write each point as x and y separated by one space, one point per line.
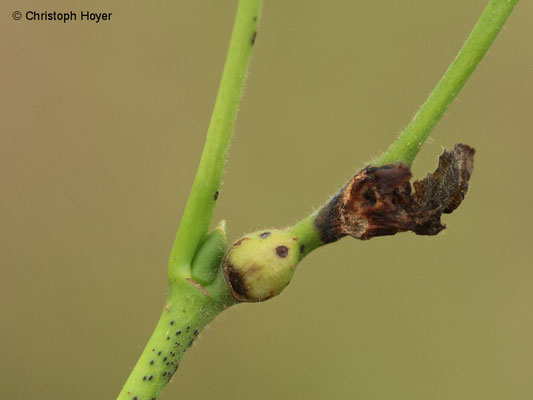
308 233
407 145
200 206
187 310
190 306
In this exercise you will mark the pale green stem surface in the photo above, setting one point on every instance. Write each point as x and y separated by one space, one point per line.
186 312
308 234
195 299
407 145
200 206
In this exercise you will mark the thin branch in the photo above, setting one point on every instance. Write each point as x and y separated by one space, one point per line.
407 145
200 206
310 230
191 305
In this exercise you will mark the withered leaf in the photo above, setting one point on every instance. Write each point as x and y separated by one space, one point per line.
378 201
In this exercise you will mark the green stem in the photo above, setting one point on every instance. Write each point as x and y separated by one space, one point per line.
190 306
407 145
312 230
200 206
187 310
307 233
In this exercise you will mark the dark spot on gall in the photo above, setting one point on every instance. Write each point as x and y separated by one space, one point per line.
150 378
159 353
144 378
302 248
152 362
253 37
264 235
171 322
282 251
236 282
196 332
178 333
165 359
216 195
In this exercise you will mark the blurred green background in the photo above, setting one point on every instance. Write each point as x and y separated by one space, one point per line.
101 131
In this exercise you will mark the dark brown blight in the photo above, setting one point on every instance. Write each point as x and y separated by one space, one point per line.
379 201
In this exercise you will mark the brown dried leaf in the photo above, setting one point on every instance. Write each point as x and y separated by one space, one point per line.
378 201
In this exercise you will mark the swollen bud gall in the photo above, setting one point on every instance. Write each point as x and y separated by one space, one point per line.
260 265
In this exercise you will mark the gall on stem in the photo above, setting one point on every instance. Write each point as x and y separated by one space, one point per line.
377 201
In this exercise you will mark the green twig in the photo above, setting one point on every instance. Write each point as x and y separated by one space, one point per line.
407 145
200 206
197 289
